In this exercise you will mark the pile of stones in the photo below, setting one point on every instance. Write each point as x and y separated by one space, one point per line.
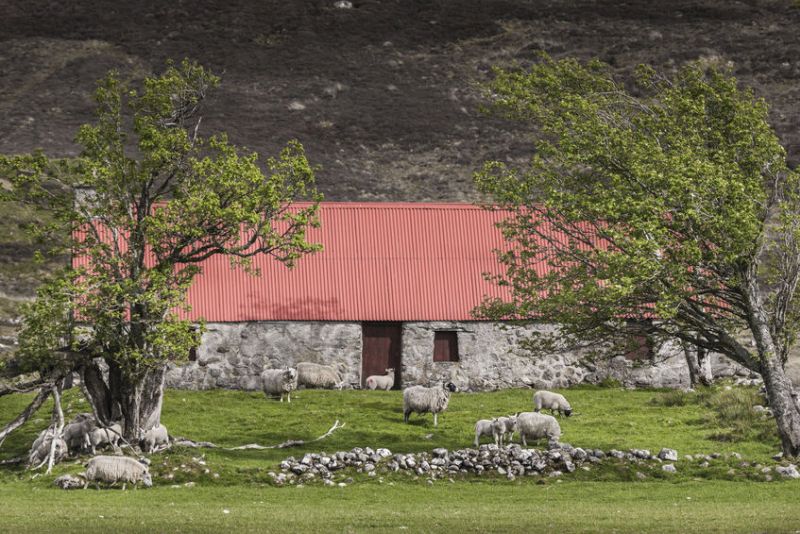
510 461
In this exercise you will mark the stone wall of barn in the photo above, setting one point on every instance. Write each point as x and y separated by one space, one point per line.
232 355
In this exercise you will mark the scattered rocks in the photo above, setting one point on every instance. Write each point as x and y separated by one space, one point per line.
69 482
669 468
669 455
789 471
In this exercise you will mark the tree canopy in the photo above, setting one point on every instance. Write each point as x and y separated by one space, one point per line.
665 208
146 202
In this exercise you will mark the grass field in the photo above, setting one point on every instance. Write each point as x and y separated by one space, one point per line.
722 497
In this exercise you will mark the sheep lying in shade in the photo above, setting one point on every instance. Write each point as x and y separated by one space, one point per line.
483 427
105 436
315 375
384 382
421 400
41 448
547 400
113 469
154 438
502 427
279 382
535 425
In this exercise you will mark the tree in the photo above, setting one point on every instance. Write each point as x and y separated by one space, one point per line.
147 201
667 210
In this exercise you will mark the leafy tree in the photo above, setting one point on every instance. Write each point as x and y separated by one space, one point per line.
148 200
666 210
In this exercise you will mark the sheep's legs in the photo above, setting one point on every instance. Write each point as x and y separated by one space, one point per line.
524 443
435 421
405 416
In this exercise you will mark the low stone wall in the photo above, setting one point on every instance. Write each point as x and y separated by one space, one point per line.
233 355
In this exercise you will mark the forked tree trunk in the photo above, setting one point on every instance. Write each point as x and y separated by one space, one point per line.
783 403
134 401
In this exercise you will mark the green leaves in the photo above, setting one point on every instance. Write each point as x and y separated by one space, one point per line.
642 204
148 200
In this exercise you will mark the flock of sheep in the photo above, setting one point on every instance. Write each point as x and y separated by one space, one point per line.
434 400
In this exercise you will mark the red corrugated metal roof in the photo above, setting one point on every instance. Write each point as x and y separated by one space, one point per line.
381 262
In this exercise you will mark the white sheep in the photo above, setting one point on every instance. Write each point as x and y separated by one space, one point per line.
113 469
154 438
537 425
421 400
279 382
105 436
555 402
384 382
483 427
40 449
502 427
76 433
315 375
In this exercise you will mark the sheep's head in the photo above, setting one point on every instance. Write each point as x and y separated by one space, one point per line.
568 412
452 388
390 370
291 373
147 480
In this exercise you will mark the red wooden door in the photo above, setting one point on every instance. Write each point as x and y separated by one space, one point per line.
381 344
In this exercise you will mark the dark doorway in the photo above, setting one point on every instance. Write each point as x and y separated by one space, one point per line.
382 349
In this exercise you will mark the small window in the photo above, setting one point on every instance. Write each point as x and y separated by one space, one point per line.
193 354
445 347
639 348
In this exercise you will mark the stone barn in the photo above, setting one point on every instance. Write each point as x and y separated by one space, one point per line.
395 286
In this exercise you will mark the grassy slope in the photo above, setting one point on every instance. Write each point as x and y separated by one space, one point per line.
695 499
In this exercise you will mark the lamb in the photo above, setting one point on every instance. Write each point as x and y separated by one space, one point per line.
76 433
483 427
279 382
384 382
501 427
554 402
154 438
105 436
537 425
316 375
113 469
420 399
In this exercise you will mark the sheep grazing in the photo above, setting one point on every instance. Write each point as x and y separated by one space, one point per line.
315 375
502 427
113 469
279 382
537 425
105 436
421 400
154 438
547 400
483 427
384 382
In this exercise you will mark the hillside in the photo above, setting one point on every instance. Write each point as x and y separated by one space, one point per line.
383 95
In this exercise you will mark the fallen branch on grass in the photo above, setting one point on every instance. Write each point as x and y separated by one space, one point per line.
183 442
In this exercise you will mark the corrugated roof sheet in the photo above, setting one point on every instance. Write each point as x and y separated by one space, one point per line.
381 262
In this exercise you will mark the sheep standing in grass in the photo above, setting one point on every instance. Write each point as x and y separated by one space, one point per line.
113 469
105 436
421 400
76 433
535 425
502 427
547 400
384 382
279 382
483 427
154 438
315 375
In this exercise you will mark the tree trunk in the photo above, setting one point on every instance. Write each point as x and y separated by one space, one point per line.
699 363
133 400
26 413
783 403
